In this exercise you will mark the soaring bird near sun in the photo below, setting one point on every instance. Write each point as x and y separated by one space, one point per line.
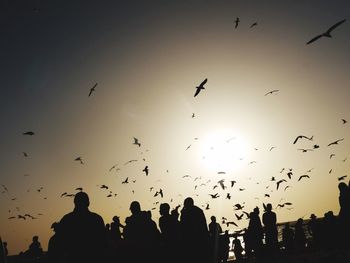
92 89
327 33
200 87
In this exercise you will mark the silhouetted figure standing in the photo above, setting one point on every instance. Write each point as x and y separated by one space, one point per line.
54 248
194 232
330 231
270 227
115 233
6 252
3 254
214 235
237 248
299 236
344 214
140 234
224 247
255 233
35 251
288 238
170 234
83 233
314 229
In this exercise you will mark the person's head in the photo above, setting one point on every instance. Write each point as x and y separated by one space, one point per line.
268 207
256 210
342 187
81 200
135 207
213 219
313 216
108 226
35 238
188 202
164 209
116 219
300 222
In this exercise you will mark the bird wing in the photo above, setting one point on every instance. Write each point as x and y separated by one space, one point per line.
203 82
314 39
335 25
296 139
197 92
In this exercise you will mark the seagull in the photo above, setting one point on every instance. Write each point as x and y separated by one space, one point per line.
79 189
267 195
104 186
272 92
344 121
126 181
233 183
238 207
305 150
92 89
341 178
332 155
145 170
193 115
25 154
136 142
302 136
79 159
290 175
28 133
279 182
188 147
214 195
288 186
231 223
273 147
335 142
200 87
228 196
207 207
239 217
254 24
221 182
237 22
131 161
221 172
327 33
303 176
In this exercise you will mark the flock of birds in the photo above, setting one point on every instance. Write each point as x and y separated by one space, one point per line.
220 188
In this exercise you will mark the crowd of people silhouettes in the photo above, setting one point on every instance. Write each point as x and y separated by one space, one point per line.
82 236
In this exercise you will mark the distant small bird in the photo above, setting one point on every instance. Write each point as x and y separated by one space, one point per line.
289 174
64 194
305 150
92 89
186 176
79 189
237 22
279 182
193 115
238 207
79 159
228 196
126 181
239 217
29 133
221 183
254 24
104 186
200 87
302 136
188 147
145 170
288 186
273 147
303 176
136 142
330 171
207 207
327 33
25 154
335 142
131 161
216 195
272 92
267 195
221 172
231 223
21 217
331 156
233 183
344 121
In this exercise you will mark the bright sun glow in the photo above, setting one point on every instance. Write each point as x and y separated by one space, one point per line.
223 151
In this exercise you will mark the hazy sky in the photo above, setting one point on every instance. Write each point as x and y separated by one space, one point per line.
147 58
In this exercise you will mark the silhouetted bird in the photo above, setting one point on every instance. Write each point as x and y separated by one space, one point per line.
79 189
216 195
239 217
25 154
193 115
331 156
336 142
279 182
254 24
126 181
305 150
79 159
237 22
104 186
136 142
200 87
29 133
231 223
302 136
327 33
145 170
238 207
289 174
188 147
272 92
228 196
131 161
303 176
92 89
233 183
341 178
344 121
221 183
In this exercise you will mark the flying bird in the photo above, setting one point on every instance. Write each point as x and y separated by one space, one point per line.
254 24
79 189
136 142
25 154
104 186
29 133
131 161
303 176
188 147
302 136
216 195
279 182
233 183
344 121
239 217
272 92
238 207
231 223
200 87
327 33
193 115
336 142
305 150
126 181
92 89
341 178
79 159
221 183
237 22
331 156
145 170
228 196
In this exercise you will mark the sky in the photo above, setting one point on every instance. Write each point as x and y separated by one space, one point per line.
147 58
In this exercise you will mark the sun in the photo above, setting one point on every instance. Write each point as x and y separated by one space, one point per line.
223 150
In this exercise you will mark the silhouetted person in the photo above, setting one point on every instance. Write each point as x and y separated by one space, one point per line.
54 248
35 251
224 247
299 236
271 234
330 237
237 248
115 233
314 229
255 233
288 238
3 256
194 232
140 233
214 234
170 233
6 252
83 232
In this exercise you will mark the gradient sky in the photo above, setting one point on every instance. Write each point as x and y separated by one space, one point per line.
147 58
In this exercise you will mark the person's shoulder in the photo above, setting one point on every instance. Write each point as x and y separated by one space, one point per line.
67 217
96 216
